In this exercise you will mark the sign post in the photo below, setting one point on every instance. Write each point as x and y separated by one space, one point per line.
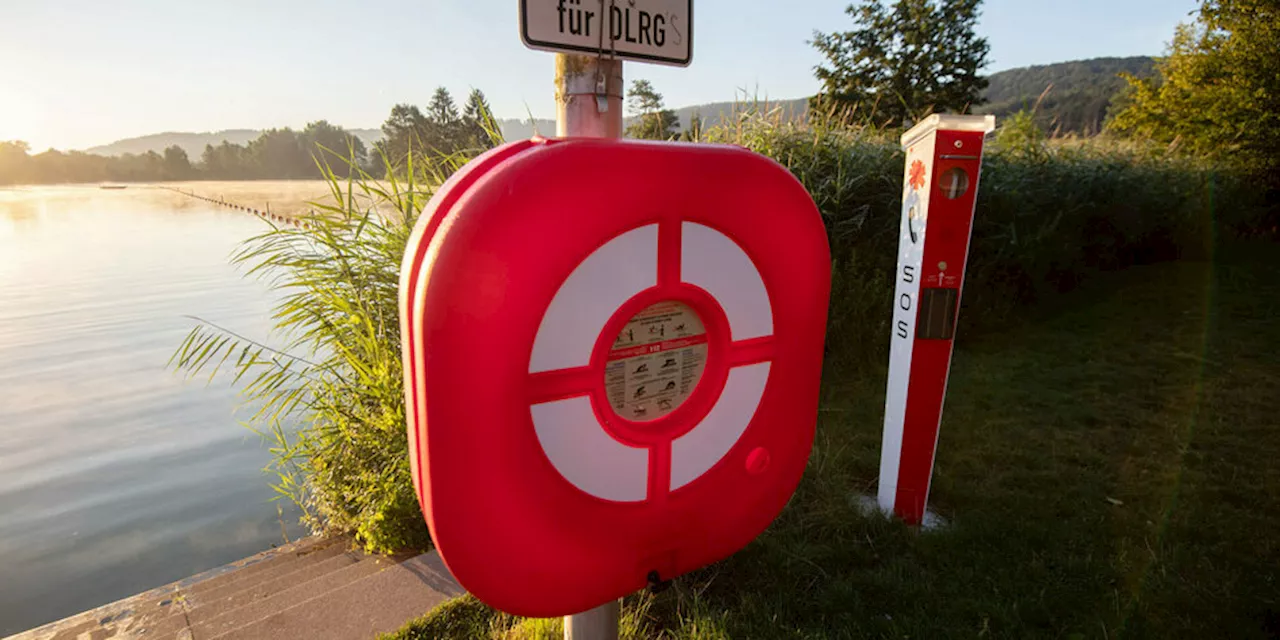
944 158
626 377
590 41
589 92
588 96
600 623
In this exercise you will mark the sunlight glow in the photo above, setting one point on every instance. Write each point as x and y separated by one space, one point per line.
20 119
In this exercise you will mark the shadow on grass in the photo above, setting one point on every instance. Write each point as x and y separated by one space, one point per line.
1109 471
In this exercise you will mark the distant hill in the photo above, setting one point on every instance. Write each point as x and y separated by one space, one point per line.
1080 94
713 113
194 143
710 113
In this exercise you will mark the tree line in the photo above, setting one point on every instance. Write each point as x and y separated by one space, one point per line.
276 154
441 131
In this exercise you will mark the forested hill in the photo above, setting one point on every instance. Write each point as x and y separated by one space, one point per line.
1080 91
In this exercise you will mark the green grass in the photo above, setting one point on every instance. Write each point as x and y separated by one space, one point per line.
1108 468
467 617
1104 457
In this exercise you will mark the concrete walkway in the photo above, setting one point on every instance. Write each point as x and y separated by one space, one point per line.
315 588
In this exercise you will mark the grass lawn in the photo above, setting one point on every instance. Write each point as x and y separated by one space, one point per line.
1110 469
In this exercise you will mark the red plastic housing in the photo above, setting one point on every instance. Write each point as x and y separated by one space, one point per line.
542 497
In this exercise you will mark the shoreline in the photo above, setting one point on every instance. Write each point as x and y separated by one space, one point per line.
314 587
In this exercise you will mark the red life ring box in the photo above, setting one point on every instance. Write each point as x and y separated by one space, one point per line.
612 359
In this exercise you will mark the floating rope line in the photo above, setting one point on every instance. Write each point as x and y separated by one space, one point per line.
267 214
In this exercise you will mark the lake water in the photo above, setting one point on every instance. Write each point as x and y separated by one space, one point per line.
117 474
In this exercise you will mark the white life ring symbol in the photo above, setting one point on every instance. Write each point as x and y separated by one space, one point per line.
569 432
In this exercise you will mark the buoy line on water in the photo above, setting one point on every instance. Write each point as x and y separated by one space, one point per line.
268 215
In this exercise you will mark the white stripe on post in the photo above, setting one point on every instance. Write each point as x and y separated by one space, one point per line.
906 298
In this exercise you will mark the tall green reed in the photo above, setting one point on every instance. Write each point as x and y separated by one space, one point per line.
330 393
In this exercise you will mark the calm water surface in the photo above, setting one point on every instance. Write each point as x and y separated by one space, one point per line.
116 474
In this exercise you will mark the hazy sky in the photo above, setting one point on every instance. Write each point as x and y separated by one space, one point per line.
77 73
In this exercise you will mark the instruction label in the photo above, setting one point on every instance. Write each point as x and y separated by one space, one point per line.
656 361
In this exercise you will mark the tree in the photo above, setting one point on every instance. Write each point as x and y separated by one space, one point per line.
14 162
1020 136
477 122
225 161
653 122
694 132
177 166
444 134
1218 91
903 61
131 167
51 166
332 145
402 132
441 109
278 153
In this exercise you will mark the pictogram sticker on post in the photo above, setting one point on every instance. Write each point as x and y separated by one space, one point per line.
658 31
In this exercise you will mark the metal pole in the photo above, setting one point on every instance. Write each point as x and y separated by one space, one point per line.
588 96
589 104
600 623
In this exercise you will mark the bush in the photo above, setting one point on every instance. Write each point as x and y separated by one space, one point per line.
1049 216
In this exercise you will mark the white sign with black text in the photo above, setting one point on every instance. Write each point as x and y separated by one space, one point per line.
658 31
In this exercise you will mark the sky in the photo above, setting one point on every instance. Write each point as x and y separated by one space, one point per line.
80 73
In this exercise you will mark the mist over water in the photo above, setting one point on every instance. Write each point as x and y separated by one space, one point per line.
116 474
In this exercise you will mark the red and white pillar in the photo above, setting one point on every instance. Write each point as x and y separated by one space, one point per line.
944 159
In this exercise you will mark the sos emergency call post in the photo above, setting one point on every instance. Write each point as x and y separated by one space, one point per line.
944 159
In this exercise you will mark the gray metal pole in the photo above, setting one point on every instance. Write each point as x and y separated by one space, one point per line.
588 96
600 623
589 104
